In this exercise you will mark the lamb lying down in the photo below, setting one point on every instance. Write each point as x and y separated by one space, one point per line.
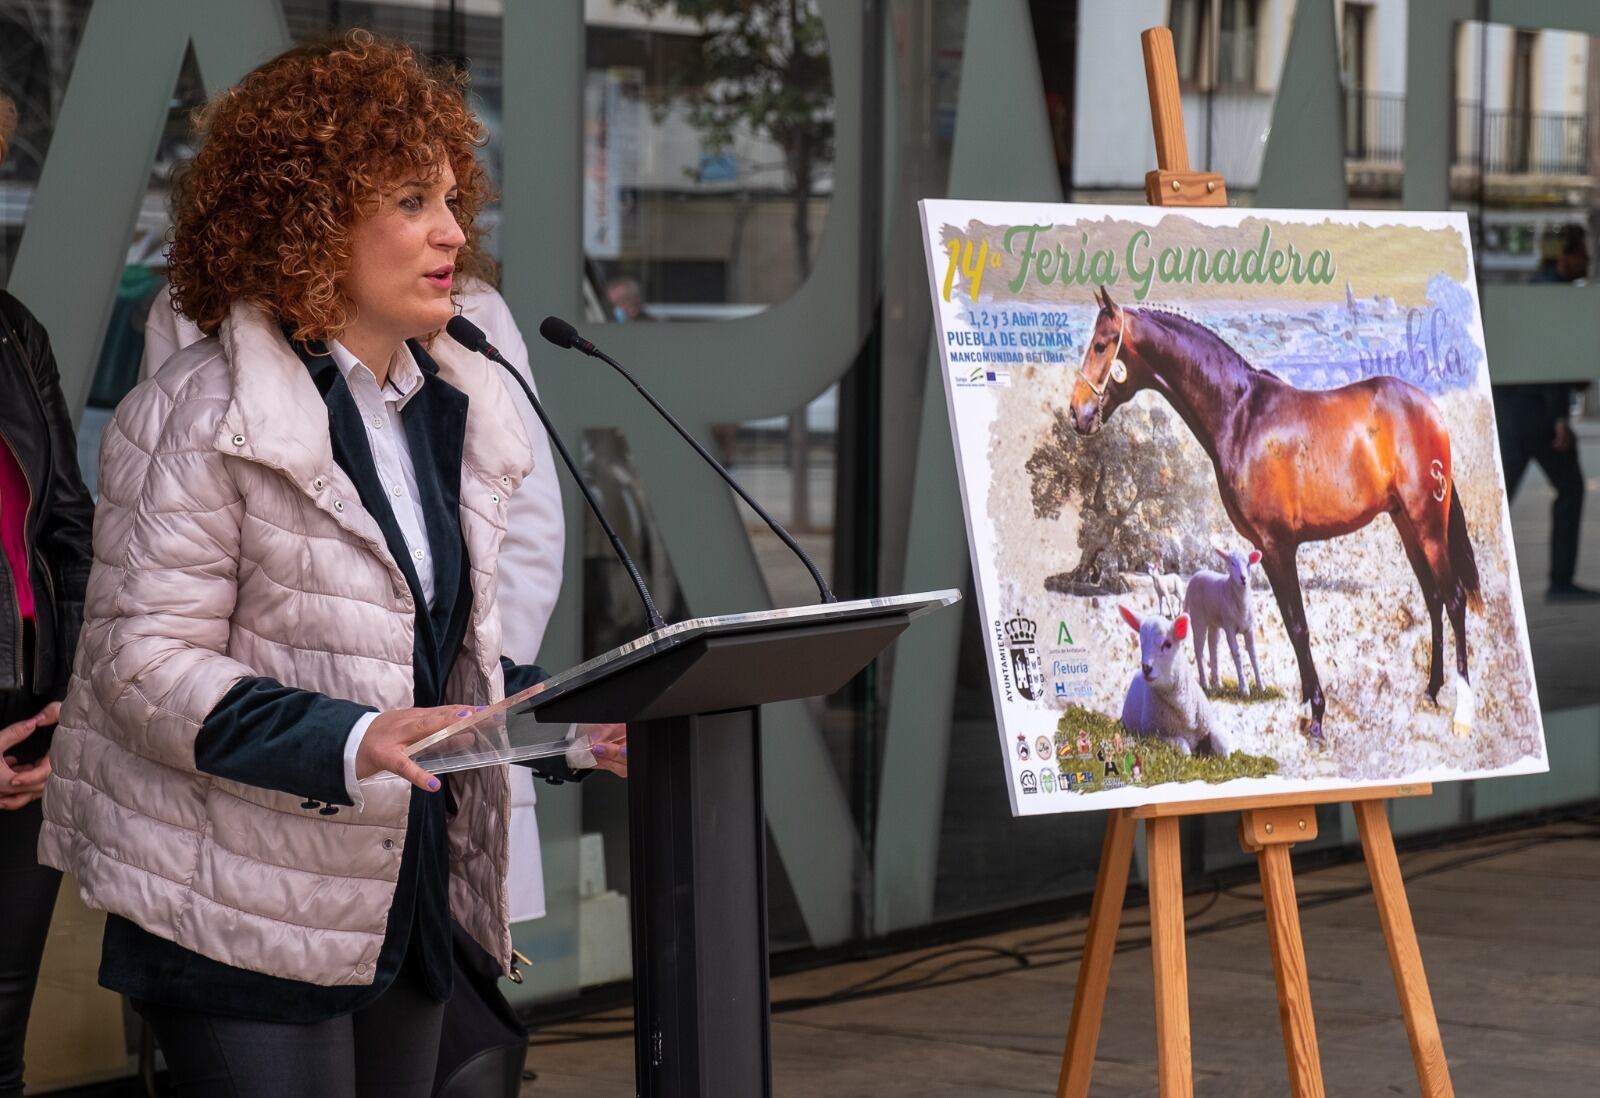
1164 699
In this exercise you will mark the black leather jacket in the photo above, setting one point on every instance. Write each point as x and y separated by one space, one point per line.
34 424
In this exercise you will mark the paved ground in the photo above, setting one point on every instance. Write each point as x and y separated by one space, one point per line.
1508 927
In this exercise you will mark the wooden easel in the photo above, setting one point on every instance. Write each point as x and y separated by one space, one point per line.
1268 825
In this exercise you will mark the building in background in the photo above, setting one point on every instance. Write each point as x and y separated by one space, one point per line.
703 203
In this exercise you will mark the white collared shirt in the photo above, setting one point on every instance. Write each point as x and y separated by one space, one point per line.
386 435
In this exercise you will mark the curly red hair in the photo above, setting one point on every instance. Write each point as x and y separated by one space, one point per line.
293 156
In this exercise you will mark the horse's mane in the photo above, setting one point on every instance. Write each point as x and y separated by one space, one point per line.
1180 325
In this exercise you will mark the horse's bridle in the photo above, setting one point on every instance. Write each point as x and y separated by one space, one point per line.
1118 371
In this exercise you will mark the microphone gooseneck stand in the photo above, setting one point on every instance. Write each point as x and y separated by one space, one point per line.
470 336
564 335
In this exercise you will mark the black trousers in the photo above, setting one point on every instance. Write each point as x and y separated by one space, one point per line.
386 1050
27 900
1521 443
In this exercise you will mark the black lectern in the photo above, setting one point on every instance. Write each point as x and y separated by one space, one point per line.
689 693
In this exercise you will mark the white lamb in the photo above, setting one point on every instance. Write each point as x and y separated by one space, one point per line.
1220 603
1166 588
1164 700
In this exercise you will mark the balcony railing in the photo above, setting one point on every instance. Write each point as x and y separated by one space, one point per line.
1512 142
1521 143
1374 127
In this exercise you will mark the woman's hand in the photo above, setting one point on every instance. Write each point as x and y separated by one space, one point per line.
609 745
383 747
22 785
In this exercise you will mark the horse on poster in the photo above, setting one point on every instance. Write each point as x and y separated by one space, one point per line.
1298 465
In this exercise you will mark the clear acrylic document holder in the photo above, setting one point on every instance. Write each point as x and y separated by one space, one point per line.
505 732
510 731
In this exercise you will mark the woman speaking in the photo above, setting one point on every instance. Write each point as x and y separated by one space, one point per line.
294 578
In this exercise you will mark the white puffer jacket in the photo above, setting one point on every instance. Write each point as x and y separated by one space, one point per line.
229 543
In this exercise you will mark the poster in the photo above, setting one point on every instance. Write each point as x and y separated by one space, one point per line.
613 113
1234 500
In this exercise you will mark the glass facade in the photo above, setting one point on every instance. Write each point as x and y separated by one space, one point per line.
723 195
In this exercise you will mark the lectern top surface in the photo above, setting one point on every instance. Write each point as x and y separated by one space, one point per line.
510 730
670 636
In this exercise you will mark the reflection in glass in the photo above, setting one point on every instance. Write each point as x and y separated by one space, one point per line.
37 45
144 282
1545 428
613 614
1522 161
1216 43
1525 167
708 153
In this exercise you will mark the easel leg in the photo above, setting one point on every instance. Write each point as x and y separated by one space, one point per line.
1289 968
1099 946
1405 958
1169 957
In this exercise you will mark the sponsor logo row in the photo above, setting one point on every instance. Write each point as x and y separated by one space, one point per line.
1080 766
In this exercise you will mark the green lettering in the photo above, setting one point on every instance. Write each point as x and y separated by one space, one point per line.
1064 271
1103 267
1254 267
1140 274
1225 266
1047 266
1296 270
1032 232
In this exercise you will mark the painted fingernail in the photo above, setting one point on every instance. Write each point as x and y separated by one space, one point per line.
433 785
463 712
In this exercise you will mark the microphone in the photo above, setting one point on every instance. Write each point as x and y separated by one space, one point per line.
564 335
470 336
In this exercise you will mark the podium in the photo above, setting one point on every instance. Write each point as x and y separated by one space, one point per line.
689 693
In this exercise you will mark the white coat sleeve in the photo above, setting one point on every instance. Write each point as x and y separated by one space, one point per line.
530 580
531 555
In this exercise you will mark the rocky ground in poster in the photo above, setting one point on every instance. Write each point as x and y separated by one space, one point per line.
1234 500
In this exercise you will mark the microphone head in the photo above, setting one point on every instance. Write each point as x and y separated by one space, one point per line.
559 332
466 333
